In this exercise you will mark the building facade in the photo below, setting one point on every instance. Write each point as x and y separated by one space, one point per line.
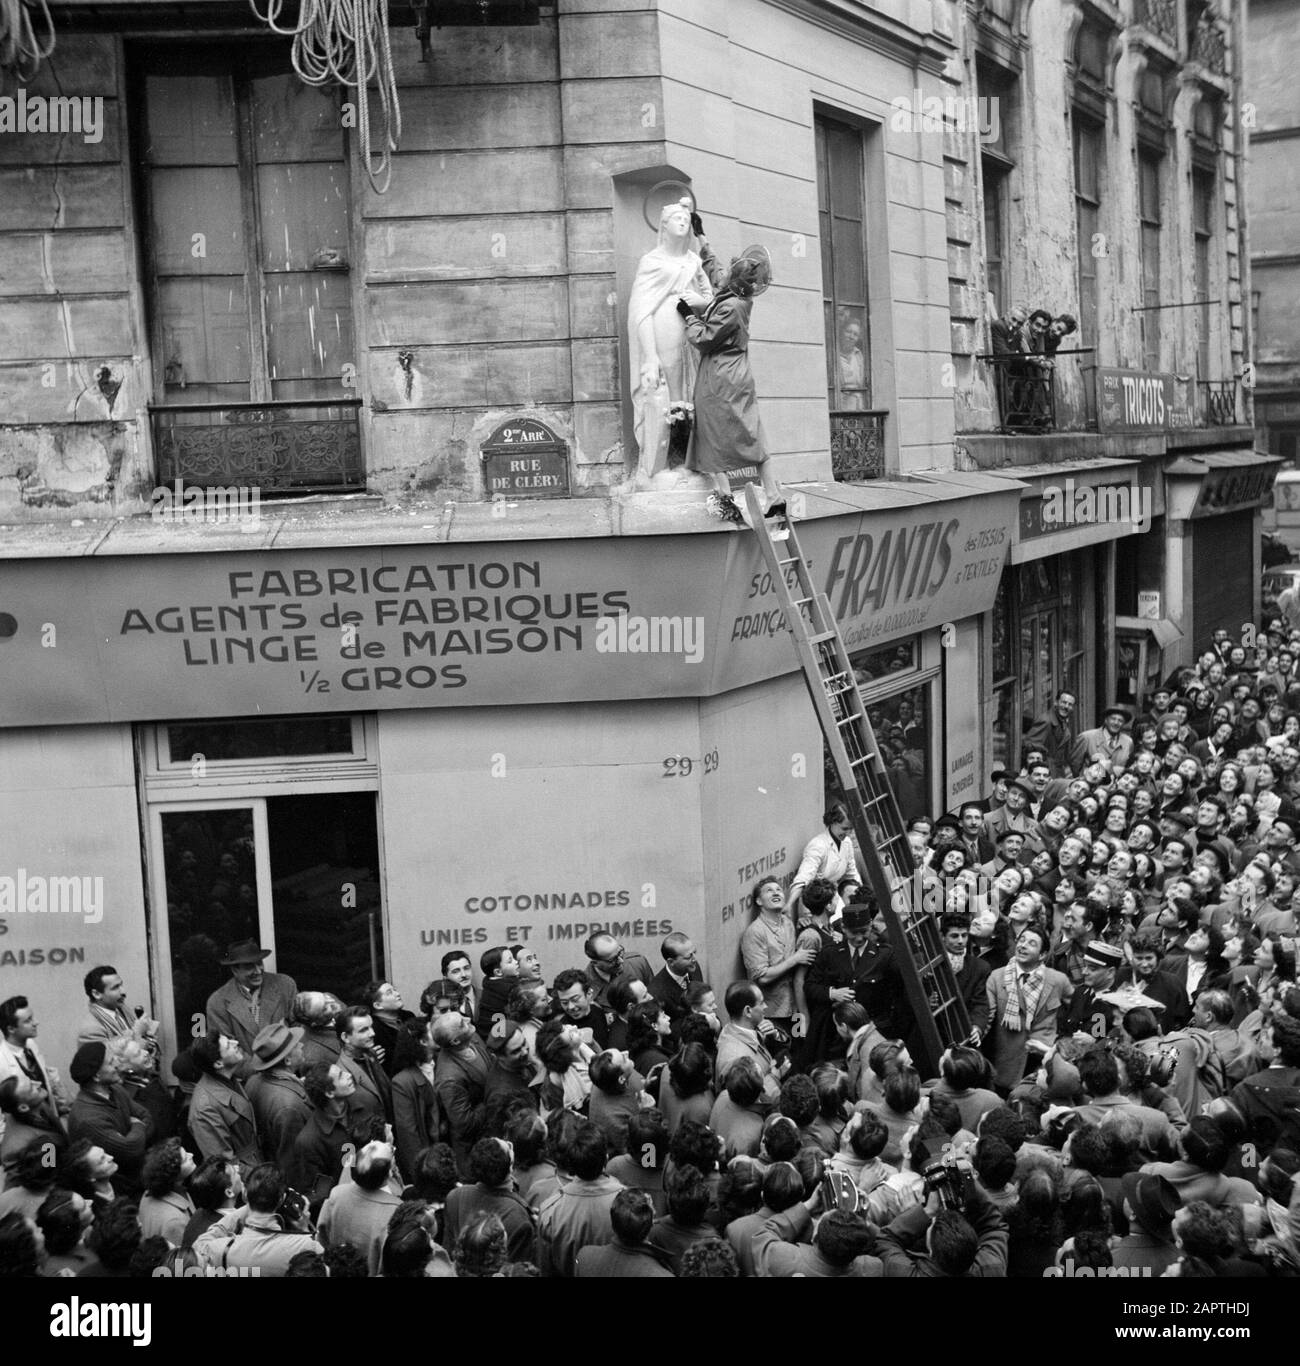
436 692
1274 106
1093 167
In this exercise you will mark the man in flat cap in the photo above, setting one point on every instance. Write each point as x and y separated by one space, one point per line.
280 1104
1150 1203
251 1000
1109 741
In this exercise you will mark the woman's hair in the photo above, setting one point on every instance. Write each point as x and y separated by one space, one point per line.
440 989
1085 1208
1037 1213
745 276
832 1084
642 1033
902 1089
412 1045
481 1246
19 1255
555 1051
162 1168
690 1071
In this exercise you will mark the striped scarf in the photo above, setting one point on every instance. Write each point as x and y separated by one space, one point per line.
1022 1005
114 1021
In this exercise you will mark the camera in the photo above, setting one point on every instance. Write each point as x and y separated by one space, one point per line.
951 1176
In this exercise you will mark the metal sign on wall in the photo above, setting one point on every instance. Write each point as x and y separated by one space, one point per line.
523 458
1142 401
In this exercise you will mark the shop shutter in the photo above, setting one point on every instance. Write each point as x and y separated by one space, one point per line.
1221 572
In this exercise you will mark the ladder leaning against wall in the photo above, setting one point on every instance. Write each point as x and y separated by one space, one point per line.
937 1008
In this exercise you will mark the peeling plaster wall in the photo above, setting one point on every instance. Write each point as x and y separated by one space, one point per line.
1041 253
71 398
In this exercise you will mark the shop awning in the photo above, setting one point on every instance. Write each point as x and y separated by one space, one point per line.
1229 481
1161 628
1071 504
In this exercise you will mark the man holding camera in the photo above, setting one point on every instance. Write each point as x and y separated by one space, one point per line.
938 1239
265 1235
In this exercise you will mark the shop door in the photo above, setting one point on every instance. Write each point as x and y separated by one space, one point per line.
298 873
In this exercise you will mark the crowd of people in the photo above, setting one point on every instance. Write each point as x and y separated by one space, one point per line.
1119 915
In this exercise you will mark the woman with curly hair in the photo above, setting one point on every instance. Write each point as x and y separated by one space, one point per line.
417 1119
166 1207
22 1248
688 1093
481 1247
1035 1227
648 1031
566 1058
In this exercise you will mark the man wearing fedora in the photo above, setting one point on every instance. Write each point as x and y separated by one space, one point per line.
1150 1203
1109 741
1014 814
251 1000
280 1104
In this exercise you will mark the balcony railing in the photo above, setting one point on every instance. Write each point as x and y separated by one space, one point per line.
1161 17
858 445
284 446
1217 403
1027 396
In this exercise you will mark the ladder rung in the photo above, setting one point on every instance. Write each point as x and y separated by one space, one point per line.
820 637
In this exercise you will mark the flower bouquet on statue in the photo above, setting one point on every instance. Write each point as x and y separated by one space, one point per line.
681 417
725 508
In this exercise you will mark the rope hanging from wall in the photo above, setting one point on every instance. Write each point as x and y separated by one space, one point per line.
21 50
345 42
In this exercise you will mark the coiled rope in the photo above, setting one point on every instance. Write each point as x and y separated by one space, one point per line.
345 42
21 51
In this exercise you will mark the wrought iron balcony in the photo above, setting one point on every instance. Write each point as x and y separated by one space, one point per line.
1025 391
858 445
1161 17
1217 403
285 446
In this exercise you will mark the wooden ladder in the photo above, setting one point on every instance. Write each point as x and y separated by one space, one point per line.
938 1010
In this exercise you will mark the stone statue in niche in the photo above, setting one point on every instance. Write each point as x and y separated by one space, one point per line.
663 362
